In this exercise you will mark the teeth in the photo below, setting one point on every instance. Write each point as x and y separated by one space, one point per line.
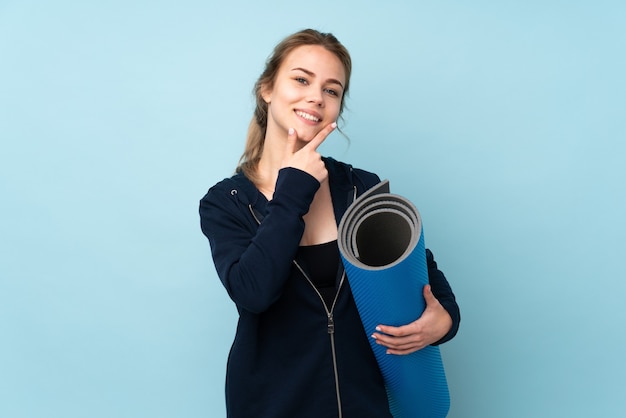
307 116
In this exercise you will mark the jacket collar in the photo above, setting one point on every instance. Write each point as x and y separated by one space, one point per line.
342 189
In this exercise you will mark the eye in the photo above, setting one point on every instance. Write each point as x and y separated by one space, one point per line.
301 80
332 92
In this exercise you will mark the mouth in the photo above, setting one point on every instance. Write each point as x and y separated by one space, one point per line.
308 116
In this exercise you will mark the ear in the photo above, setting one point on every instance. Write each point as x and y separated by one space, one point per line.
266 93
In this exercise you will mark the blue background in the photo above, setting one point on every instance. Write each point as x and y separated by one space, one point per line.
504 122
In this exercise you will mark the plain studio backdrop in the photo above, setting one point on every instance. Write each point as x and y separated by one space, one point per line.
504 122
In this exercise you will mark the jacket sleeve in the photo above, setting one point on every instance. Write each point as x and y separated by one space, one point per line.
253 262
443 292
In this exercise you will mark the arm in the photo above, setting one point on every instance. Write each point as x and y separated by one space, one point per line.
439 321
253 261
443 293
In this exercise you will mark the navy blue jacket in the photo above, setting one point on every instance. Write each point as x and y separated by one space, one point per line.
281 364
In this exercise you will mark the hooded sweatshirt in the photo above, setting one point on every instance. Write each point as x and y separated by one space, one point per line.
293 355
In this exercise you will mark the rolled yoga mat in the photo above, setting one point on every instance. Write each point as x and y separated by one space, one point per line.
381 242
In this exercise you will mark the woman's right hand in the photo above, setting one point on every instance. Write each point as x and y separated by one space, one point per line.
307 158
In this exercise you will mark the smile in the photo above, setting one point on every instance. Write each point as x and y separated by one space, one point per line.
307 116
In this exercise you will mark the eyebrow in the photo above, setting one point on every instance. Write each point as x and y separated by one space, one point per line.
312 74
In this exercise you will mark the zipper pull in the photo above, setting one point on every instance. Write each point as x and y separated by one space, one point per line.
331 324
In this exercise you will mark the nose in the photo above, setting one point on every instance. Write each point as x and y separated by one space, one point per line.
316 97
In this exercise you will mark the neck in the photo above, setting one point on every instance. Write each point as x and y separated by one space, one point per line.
274 148
267 170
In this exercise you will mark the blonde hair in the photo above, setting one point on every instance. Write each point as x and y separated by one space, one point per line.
255 140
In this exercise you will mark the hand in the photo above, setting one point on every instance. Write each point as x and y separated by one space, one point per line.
434 323
307 158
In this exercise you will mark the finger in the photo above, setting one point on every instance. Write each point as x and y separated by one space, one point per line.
392 342
402 343
428 295
394 331
403 352
292 139
408 346
321 136
431 300
398 352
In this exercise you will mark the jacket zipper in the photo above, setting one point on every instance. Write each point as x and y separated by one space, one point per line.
329 315
331 327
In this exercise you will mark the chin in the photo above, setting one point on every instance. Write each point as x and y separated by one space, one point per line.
308 134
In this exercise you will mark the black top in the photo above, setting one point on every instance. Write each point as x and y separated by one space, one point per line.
321 263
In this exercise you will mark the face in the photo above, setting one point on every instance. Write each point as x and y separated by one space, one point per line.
307 92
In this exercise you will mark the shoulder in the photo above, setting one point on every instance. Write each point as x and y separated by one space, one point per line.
237 187
227 201
224 207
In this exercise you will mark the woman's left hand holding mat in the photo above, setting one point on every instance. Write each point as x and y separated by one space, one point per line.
429 328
